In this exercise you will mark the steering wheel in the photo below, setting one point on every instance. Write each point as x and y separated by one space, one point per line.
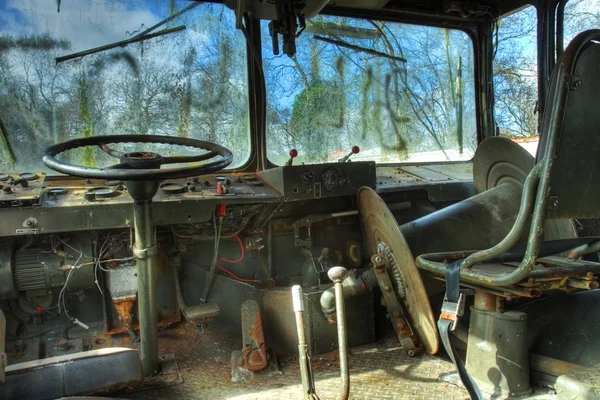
140 166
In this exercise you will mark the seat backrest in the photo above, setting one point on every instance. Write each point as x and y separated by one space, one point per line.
575 172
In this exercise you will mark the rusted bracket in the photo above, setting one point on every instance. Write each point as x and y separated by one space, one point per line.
397 317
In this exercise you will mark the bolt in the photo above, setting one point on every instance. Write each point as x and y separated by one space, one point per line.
396 314
411 353
387 288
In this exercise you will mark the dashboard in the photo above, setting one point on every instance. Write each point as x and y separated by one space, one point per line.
33 203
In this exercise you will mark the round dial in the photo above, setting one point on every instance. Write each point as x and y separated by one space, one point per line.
307 177
333 178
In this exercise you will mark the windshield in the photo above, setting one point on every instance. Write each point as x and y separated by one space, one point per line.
188 79
402 93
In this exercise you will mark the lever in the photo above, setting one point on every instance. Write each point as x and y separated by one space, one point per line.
293 154
338 275
355 150
308 382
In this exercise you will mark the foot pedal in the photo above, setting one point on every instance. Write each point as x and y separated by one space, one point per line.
195 314
200 312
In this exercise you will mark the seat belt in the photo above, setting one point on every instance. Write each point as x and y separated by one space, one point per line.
452 308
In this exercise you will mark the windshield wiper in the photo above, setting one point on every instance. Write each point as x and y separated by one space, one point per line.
4 138
122 43
347 45
137 38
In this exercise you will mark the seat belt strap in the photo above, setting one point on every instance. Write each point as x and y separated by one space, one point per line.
452 308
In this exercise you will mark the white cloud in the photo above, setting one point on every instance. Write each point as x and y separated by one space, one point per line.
85 23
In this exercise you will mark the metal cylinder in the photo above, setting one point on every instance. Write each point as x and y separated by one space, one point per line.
485 301
353 286
145 251
497 352
476 223
338 275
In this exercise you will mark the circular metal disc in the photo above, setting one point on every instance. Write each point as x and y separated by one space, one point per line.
173 188
57 191
380 225
28 176
499 160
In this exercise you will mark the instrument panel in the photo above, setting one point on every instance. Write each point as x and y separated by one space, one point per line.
315 181
32 203
21 189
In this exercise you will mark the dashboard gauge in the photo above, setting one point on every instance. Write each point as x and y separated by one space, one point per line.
333 178
307 177
28 176
100 193
173 188
57 191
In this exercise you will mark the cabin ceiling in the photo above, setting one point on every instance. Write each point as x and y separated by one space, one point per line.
469 9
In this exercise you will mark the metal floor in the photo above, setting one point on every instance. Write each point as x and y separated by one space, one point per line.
378 371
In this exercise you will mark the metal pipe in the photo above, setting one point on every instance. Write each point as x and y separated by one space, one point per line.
582 284
485 301
145 252
338 275
217 226
557 267
353 286
583 250
506 291
308 383
270 247
515 233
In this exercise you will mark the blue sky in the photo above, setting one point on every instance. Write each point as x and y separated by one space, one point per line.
85 23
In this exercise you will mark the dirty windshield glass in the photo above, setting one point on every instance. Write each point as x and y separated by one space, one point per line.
402 93
187 78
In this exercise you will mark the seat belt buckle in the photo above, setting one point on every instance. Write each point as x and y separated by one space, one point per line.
451 310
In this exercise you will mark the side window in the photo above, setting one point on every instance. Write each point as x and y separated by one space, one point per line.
579 16
515 78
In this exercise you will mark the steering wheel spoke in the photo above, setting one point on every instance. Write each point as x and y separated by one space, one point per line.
109 151
189 159
141 166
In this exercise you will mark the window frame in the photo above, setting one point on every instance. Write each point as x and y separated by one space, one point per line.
470 28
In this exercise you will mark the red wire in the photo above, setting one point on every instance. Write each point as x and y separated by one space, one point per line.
242 255
237 277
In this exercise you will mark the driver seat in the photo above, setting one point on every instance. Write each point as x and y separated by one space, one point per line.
565 183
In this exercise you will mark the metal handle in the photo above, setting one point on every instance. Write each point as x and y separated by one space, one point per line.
308 383
338 275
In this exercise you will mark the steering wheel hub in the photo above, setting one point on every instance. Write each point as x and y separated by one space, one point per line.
141 160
